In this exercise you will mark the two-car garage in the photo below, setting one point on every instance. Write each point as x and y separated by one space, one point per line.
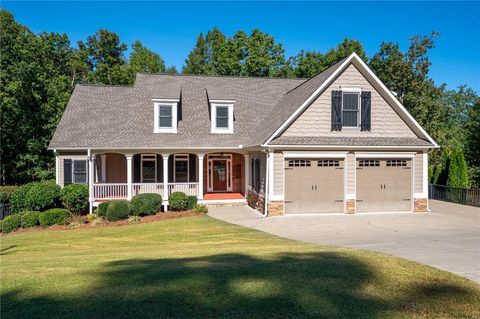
317 185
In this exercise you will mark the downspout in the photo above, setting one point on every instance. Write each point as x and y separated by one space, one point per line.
267 183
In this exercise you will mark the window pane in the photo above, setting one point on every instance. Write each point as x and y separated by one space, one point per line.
80 172
148 172
222 111
165 111
350 118
222 122
181 171
165 121
350 101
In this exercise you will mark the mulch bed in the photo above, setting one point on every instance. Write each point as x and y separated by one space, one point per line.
106 223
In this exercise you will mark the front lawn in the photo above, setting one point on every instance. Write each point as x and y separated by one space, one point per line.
198 267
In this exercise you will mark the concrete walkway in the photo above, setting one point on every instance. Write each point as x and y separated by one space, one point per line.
447 238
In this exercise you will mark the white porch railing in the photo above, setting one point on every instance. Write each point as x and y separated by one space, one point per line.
142 188
109 191
190 189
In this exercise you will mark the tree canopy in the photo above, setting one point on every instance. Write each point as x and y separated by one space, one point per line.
39 71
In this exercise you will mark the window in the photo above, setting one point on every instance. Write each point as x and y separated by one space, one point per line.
368 163
256 177
181 168
396 163
299 163
328 163
149 168
75 171
222 118
350 109
165 117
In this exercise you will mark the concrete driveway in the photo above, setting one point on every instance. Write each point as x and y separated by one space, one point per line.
447 238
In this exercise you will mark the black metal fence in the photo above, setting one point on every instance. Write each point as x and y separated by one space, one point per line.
457 195
4 210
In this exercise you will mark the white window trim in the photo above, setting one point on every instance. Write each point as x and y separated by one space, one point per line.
215 129
148 158
180 158
359 111
73 170
156 127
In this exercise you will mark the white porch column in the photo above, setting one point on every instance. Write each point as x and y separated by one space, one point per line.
91 178
165 181
104 168
129 176
200 176
57 168
247 173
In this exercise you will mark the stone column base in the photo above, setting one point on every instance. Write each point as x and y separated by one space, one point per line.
256 201
351 206
420 205
275 208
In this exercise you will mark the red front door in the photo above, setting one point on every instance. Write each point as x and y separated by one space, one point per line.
219 175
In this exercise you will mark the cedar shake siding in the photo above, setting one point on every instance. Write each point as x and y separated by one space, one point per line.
316 119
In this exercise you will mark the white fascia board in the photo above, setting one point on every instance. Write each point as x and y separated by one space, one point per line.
384 154
173 100
350 147
223 101
309 154
362 65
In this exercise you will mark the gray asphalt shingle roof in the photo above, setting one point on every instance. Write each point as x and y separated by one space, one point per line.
123 116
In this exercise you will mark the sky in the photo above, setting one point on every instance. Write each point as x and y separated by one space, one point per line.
171 28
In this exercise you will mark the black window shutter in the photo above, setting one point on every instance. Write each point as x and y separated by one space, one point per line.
336 110
366 111
67 171
192 162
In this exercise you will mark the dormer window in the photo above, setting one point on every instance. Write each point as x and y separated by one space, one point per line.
165 116
222 117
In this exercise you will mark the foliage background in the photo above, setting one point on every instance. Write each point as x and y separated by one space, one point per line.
38 72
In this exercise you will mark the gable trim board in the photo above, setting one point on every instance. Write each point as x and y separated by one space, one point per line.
363 68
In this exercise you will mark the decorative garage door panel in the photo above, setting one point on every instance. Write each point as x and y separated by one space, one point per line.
384 185
314 186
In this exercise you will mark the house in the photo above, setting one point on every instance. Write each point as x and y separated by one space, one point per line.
338 142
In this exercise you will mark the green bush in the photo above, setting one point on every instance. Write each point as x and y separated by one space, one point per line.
178 201
191 202
11 223
75 197
30 218
102 209
54 216
145 204
118 209
36 196
6 193
201 209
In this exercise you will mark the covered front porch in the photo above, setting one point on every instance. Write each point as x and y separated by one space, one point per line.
212 176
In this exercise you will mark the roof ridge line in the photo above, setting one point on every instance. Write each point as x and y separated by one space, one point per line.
224 76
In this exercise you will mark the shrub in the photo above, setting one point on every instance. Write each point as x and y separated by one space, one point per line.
36 196
91 218
75 197
191 202
30 219
134 219
102 209
118 209
199 208
11 223
178 201
145 204
54 216
6 193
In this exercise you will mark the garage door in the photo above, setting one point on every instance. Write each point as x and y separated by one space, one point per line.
384 185
314 186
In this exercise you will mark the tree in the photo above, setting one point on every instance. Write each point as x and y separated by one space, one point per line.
197 60
145 60
457 171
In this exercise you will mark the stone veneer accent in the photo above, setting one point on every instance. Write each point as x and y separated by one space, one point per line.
275 208
420 205
256 201
351 206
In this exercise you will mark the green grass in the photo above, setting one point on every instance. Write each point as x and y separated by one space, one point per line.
202 268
